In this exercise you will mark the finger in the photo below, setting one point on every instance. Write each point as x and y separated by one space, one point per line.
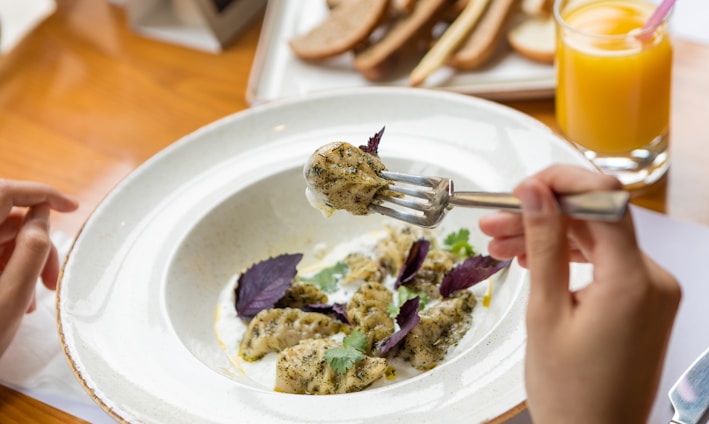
33 305
614 251
546 250
510 247
32 246
573 179
23 193
574 256
50 273
5 253
611 245
10 226
506 248
501 224
585 234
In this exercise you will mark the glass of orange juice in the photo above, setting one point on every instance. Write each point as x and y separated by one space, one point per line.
614 86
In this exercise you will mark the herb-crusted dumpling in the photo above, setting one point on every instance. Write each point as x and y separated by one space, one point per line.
362 268
367 311
300 294
342 176
303 369
442 326
273 330
391 250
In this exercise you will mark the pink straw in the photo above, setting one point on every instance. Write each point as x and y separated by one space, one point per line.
659 15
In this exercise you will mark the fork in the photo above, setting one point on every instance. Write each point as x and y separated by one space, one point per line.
424 201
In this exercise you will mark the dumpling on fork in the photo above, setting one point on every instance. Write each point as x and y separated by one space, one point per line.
342 176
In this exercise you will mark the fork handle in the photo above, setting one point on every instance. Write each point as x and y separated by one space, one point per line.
591 205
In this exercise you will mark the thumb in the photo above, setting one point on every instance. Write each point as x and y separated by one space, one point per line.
27 259
546 246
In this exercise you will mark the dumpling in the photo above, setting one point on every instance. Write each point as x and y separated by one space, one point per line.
273 330
442 326
300 294
367 310
303 369
342 176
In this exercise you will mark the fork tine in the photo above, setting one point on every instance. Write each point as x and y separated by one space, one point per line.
425 221
417 206
421 194
432 191
411 179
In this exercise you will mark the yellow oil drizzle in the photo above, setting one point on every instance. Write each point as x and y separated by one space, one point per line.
216 328
390 373
488 295
235 360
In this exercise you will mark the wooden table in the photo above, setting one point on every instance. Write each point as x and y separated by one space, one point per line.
84 101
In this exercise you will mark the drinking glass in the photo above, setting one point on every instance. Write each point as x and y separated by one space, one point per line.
614 86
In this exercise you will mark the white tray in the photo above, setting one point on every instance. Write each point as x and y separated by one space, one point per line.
277 73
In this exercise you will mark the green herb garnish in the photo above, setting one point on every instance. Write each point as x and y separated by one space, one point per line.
343 357
403 294
327 278
457 243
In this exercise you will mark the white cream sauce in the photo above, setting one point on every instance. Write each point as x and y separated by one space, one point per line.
230 328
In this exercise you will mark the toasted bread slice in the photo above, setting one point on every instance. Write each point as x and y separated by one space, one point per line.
348 24
485 38
537 7
535 39
396 7
402 7
376 61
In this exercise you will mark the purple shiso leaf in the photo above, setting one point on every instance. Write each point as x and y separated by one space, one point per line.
372 146
262 285
338 310
407 319
471 271
414 260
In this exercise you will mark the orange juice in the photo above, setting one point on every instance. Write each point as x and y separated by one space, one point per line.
613 85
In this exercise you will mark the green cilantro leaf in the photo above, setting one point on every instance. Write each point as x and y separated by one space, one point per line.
356 339
343 357
403 294
457 242
327 278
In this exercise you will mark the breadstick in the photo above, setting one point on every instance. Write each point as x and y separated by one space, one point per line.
449 41
484 40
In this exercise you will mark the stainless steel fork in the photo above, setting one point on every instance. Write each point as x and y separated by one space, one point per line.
424 201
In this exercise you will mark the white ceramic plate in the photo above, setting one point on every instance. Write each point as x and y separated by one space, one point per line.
137 299
277 73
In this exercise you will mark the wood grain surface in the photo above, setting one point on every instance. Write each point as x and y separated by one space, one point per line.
84 101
